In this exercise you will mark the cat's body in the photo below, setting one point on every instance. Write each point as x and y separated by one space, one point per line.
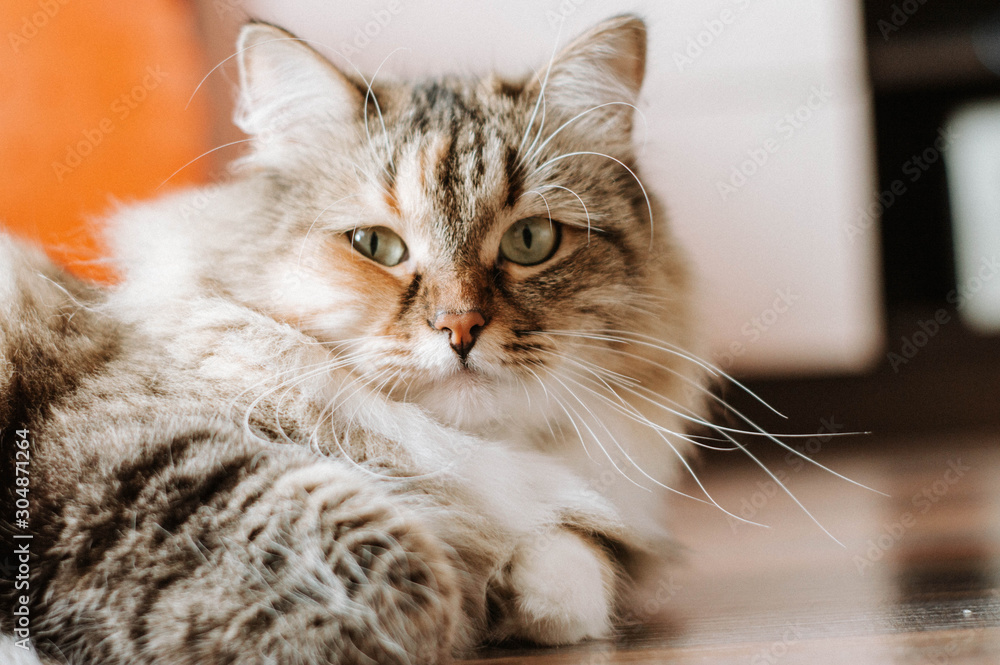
266 447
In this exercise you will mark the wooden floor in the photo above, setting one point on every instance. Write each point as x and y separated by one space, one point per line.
916 581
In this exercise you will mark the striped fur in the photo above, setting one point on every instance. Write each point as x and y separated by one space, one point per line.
259 449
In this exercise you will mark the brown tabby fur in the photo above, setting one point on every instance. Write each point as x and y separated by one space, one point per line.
258 449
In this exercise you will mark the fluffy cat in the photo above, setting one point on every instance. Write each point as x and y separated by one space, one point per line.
413 380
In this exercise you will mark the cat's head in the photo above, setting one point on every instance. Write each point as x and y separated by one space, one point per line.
468 243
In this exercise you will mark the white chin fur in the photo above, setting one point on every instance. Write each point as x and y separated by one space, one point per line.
481 402
463 400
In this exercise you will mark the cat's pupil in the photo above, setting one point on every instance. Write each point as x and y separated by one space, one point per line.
374 246
526 237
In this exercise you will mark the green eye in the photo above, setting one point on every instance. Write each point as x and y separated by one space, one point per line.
379 244
530 241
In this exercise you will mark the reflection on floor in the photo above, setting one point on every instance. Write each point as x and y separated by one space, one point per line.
915 582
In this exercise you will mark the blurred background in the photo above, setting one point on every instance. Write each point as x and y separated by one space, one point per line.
833 167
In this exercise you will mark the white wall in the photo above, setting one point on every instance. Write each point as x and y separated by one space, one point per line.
788 263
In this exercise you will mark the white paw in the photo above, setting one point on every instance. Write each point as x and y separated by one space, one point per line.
13 654
565 590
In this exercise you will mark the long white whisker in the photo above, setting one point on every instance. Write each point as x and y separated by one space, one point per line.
378 109
579 434
785 489
702 487
241 51
361 386
596 369
711 500
256 402
527 394
204 154
662 432
757 430
649 205
613 439
631 411
587 212
303 372
548 210
597 440
541 94
659 345
541 122
714 368
548 398
332 362
313 224
603 337
534 153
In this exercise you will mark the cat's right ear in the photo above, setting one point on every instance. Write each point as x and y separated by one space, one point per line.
596 79
287 87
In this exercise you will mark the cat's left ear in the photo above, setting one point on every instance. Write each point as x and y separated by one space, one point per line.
286 86
600 70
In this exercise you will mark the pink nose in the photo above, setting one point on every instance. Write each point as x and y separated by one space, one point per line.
464 328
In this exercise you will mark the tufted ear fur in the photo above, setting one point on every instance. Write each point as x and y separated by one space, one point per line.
605 65
286 86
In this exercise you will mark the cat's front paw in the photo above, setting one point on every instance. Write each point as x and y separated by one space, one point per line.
563 590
